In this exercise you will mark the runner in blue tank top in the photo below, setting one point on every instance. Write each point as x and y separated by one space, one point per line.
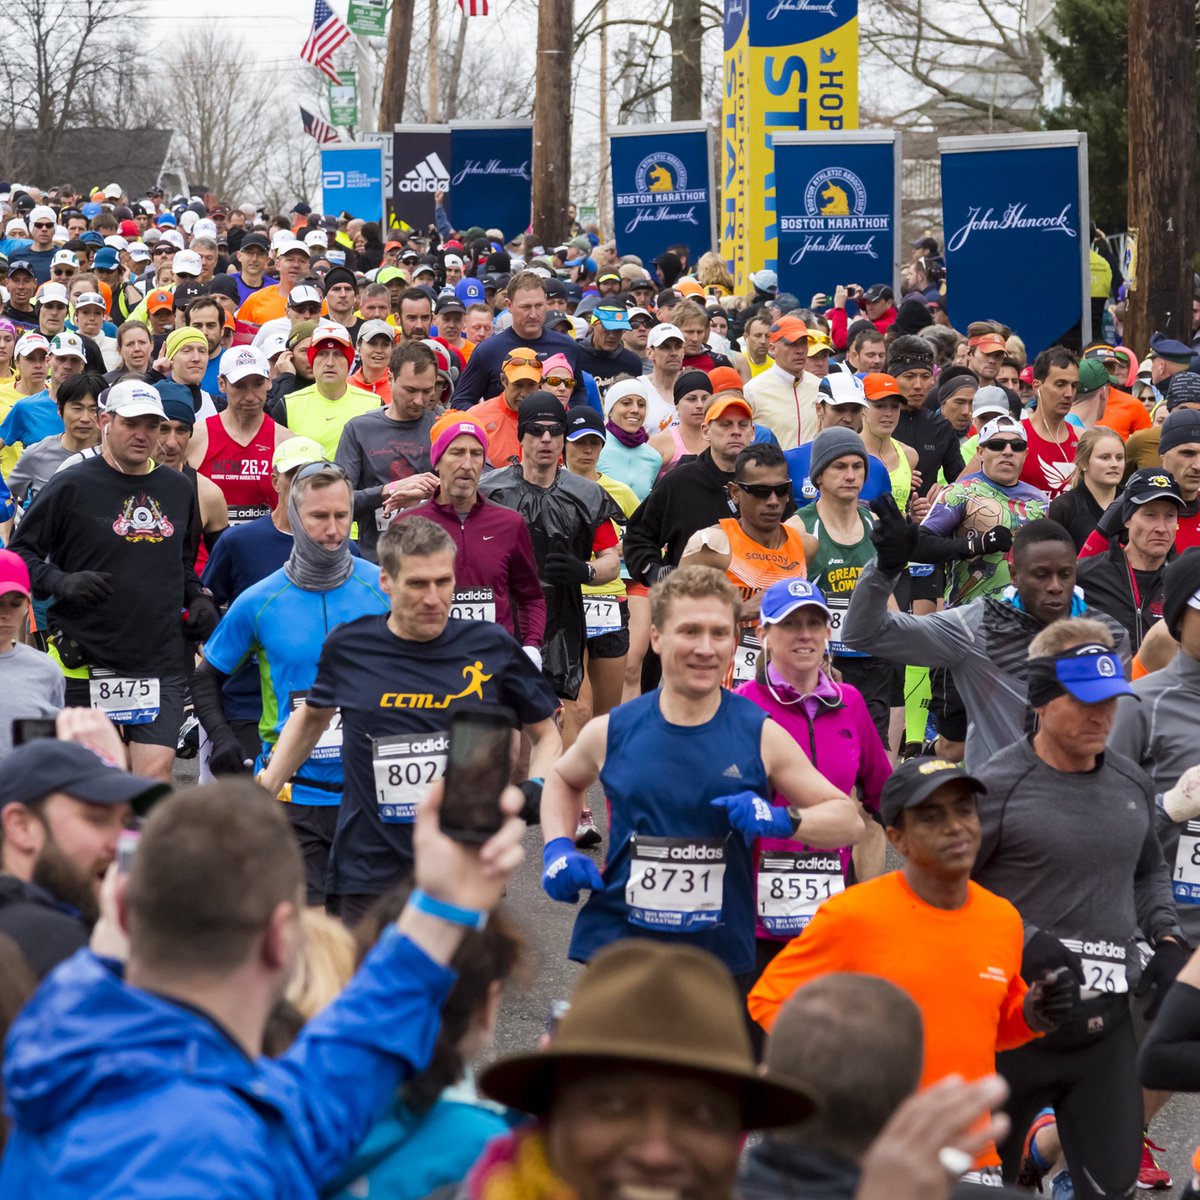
686 770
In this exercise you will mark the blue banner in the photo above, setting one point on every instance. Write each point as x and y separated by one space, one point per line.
1014 211
491 176
836 197
352 180
662 190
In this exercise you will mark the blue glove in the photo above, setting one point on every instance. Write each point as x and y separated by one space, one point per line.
566 871
753 817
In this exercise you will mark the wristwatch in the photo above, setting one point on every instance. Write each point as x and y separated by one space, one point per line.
591 573
797 814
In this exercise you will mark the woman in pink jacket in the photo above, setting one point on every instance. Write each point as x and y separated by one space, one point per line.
831 723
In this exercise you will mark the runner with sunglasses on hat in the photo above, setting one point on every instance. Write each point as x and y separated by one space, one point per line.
680 866
757 547
280 621
521 376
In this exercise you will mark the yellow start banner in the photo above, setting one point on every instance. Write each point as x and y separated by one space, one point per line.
789 65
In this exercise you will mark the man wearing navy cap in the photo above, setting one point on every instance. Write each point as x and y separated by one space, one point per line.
1170 357
62 808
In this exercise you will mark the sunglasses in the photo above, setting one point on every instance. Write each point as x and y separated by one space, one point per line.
764 491
63 272
316 468
641 324
162 251
1000 444
541 431
558 381
307 310
43 225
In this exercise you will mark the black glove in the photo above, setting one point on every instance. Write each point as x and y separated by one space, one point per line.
1050 1000
895 539
1169 959
997 540
561 567
228 756
84 587
1044 955
531 814
201 618
1112 520
657 572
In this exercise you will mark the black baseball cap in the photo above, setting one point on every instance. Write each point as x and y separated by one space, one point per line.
1150 483
185 293
914 781
928 244
256 239
43 766
555 289
451 304
21 265
879 291
584 421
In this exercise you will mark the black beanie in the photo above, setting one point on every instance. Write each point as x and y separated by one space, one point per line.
909 353
540 406
1181 582
690 381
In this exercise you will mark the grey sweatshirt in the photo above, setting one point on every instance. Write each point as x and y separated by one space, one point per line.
1075 853
1158 731
985 644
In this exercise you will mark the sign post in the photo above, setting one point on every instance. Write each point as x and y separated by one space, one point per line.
367 18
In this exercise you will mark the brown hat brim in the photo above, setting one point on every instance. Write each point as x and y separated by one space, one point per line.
526 1082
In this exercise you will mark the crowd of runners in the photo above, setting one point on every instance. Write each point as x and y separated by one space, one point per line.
850 662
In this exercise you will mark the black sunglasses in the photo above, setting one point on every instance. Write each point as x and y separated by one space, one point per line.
763 491
999 444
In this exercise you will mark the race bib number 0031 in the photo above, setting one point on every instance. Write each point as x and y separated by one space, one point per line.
792 886
473 604
124 699
405 765
675 883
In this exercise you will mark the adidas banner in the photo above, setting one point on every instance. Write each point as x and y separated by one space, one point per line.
837 198
420 169
663 188
1015 214
491 177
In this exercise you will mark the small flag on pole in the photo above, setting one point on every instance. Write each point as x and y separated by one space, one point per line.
326 35
318 129
474 8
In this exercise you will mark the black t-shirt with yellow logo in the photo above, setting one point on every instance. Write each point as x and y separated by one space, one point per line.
396 698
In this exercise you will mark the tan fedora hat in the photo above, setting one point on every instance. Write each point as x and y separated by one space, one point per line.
643 1003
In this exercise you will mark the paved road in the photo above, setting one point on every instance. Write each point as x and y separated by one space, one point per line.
548 976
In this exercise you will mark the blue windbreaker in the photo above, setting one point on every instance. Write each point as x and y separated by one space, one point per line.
116 1092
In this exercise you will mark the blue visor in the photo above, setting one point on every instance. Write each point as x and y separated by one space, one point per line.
612 318
1093 678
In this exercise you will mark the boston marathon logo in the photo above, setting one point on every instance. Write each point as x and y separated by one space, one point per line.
835 217
660 193
1015 216
473 674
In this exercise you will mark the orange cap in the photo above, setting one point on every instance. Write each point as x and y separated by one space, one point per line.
157 301
723 403
877 385
522 363
689 287
989 343
788 329
725 379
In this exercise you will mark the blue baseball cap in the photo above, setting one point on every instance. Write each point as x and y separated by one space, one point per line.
44 766
165 219
611 317
106 259
91 237
783 598
91 209
469 290
1091 673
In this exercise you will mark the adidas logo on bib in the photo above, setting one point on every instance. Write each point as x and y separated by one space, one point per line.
429 175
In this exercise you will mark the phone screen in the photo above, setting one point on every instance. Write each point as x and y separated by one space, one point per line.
26 729
478 767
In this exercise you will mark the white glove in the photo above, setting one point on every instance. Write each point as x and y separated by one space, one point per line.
535 655
1182 802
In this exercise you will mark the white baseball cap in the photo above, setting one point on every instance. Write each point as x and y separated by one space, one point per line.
452 260
174 237
376 328
273 344
67 345
304 293
52 293
290 245
331 331
133 398
316 237
139 252
43 212
1005 424
27 343
205 227
64 258
187 262
113 191
116 241
89 300
662 333
241 362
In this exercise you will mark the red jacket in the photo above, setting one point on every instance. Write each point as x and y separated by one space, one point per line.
838 324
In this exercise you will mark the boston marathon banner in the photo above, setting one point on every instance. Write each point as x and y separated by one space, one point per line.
420 168
662 188
352 180
491 175
1015 215
837 197
789 65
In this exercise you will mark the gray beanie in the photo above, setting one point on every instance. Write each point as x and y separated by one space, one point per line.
990 402
831 444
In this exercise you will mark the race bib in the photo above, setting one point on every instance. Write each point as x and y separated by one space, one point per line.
838 606
240 514
792 885
1103 964
745 657
675 883
920 570
124 699
602 614
1185 879
382 519
473 604
405 765
329 744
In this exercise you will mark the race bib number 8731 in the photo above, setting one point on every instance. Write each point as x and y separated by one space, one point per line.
676 883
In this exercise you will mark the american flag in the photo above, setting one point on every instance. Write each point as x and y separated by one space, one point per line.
326 35
316 128
474 8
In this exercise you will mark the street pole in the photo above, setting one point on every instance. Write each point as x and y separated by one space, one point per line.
552 121
395 70
434 52
605 220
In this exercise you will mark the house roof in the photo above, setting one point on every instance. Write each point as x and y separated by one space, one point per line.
90 157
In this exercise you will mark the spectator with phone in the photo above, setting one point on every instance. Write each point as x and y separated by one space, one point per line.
876 303
30 683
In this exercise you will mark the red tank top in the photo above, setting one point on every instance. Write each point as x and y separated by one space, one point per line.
243 473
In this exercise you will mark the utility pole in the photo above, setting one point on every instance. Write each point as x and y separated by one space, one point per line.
552 120
434 56
602 201
395 70
1162 156
686 35
460 46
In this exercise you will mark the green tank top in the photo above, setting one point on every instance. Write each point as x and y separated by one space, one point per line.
835 570
901 477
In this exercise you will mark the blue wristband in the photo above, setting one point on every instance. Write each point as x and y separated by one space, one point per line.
468 918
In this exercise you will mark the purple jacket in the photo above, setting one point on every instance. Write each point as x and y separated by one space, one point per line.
494 551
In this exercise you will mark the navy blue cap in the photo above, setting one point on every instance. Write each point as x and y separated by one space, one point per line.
1170 349
21 265
44 766
584 421
106 259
